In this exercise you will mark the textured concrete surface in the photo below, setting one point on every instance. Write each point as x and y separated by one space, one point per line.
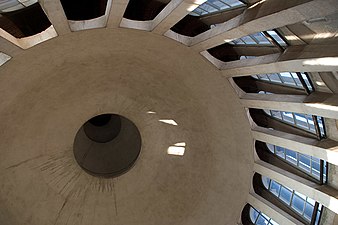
50 90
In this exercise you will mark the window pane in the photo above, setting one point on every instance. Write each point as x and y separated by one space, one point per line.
291 156
308 211
298 203
287 78
262 221
280 152
248 40
288 117
274 77
253 214
276 114
285 195
274 187
262 40
301 120
304 162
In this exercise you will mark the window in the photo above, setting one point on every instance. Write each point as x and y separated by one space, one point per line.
310 123
299 203
261 39
259 218
211 6
311 165
13 5
297 80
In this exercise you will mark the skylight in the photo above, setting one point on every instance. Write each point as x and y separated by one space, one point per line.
301 204
12 5
304 121
309 164
287 79
212 6
260 38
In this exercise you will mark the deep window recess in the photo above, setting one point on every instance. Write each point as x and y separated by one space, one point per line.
84 9
24 20
259 218
310 123
297 80
212 6
311 165
304 206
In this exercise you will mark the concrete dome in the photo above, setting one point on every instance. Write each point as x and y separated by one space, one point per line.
197 159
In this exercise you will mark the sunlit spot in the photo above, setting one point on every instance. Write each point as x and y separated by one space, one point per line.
322 106
151 112
177 149
328 61
320 83
256 4
195 4
171 122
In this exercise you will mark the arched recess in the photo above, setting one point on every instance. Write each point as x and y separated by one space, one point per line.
25 24
302 165
86 14
295 204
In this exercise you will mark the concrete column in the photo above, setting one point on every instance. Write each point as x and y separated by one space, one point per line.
172 13
320 104
56 15
320 193
118 7
309 58
326 149
263 16
271 210
9 48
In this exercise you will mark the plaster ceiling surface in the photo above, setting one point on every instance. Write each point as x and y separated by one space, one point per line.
50 90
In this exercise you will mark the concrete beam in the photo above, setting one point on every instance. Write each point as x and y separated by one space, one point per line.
310 58
271 210
118 7
264 16
9 48
173 13
326 149
323 194
320 104
56 15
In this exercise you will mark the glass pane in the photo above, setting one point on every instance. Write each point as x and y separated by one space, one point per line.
253 214
291 156
296 79
274 187
248 40
288 117
311 123
262 221
301 120
285 195
277 38
287 78
315 167
275 78
304 162
233 3
298 204
266 182
271 147
276 114
308 211
263 77
280 152
305 78
261 39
